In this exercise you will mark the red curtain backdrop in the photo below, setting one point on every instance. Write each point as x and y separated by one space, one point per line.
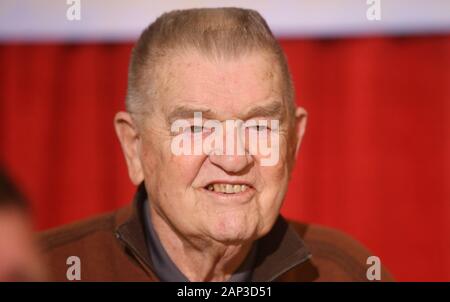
375 161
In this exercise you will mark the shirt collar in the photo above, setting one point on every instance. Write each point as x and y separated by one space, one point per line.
277 252
167 270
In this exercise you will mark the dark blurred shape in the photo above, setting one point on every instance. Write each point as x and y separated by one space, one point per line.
10 194
19 255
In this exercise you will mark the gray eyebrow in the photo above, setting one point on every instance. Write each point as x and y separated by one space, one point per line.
187 112
273 109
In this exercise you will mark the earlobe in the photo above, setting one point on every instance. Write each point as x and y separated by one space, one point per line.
301 117
128 136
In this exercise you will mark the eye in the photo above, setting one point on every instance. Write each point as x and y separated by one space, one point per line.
197 129
194 129
260 128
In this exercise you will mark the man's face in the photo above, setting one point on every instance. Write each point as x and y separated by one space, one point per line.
226 198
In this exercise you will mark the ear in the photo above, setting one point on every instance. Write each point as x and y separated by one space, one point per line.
301 117
128 135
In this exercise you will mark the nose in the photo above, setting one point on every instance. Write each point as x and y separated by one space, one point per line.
231 160
231 163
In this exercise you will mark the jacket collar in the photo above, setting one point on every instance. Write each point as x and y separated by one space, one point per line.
278 252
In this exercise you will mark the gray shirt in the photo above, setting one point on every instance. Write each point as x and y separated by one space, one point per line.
166 269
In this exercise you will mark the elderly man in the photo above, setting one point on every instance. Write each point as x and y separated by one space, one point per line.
208 212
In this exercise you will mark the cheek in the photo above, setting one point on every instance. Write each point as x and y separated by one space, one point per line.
169 173
275 181
276 175
160 164
286 144
183 169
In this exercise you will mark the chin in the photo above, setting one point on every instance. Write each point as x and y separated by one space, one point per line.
233 230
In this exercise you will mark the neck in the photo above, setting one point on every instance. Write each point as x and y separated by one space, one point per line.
199 259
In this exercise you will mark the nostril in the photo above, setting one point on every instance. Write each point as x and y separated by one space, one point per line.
231 163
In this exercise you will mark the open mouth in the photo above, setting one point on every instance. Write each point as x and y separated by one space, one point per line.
228 188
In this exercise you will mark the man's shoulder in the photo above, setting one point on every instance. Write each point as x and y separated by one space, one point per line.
93 241
323 239
336 255
76 232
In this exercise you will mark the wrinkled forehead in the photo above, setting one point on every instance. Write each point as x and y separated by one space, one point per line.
226 87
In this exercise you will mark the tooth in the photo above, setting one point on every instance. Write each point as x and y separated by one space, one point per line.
227 188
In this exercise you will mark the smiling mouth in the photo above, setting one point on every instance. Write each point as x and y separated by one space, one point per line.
227 188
